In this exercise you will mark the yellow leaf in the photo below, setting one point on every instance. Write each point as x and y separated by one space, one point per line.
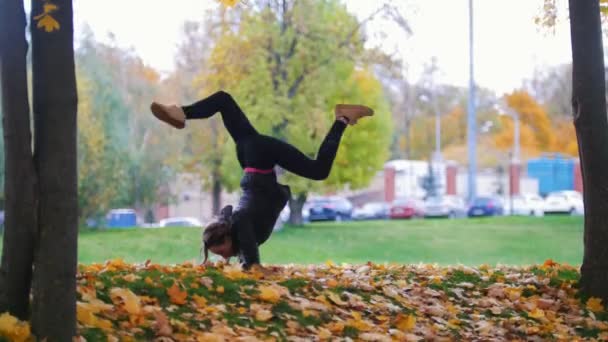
324 334
210 337
263 315
595 304
220 289
176 295
49 7
131 277
149 281
87 293
332 282
129 299
336 327
336 299
85 314
269 294
405 323
234 272
201 302
536 313
48 23
229 3
14 329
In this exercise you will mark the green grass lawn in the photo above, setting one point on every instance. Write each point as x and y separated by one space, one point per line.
504 240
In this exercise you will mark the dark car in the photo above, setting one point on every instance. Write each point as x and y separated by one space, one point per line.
485 206
406 208
330 209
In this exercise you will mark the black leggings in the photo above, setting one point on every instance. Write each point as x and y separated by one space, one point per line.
264 152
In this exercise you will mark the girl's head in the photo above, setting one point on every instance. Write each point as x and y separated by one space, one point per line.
217 236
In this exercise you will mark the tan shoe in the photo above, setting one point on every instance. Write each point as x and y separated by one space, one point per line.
352 112
171 114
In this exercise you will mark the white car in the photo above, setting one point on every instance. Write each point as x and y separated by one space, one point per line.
371 211
567 202
445 206
180 222
526 205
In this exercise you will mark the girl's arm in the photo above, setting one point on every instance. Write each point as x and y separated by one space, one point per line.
249 254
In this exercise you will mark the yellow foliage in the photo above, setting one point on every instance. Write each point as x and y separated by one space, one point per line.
269 294
504 138
14 329
566 138
85 314
129 300
405 323
229 3
537 132
45 20
176 295
48 23
534 116
595 304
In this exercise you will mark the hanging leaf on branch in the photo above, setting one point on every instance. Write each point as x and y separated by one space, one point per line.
45 20
229 3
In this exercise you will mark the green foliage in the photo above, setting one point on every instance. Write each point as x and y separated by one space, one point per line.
287 71
122 148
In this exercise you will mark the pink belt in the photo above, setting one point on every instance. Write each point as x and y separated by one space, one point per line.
262 171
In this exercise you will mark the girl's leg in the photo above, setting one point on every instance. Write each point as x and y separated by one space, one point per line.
234 119
292 160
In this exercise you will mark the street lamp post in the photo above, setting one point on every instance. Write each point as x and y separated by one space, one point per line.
516 139
515 155
437 131
471 116
432 101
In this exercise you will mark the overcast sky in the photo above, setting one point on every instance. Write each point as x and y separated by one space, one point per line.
508 45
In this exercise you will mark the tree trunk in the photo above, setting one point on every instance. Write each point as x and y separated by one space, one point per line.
591 123
55 105
295 209
19 189
216 193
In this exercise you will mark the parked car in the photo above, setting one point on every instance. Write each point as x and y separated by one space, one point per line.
565 202
180 222
525 204
407 208
333 208
486 206
445 206
372 211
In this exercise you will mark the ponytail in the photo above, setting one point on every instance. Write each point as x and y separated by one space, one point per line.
217 231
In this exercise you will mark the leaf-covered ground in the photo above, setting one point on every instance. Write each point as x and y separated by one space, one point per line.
124 302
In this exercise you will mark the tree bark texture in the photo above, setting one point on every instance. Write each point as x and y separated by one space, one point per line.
20 177
295 209
591 123
55 106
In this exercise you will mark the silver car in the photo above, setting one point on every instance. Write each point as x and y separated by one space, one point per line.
445 206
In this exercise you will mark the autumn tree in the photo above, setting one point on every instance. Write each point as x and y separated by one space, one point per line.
120 142
40 242
202 69
293 61
281 63
536 129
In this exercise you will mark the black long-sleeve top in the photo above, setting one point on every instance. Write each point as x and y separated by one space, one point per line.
259 207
